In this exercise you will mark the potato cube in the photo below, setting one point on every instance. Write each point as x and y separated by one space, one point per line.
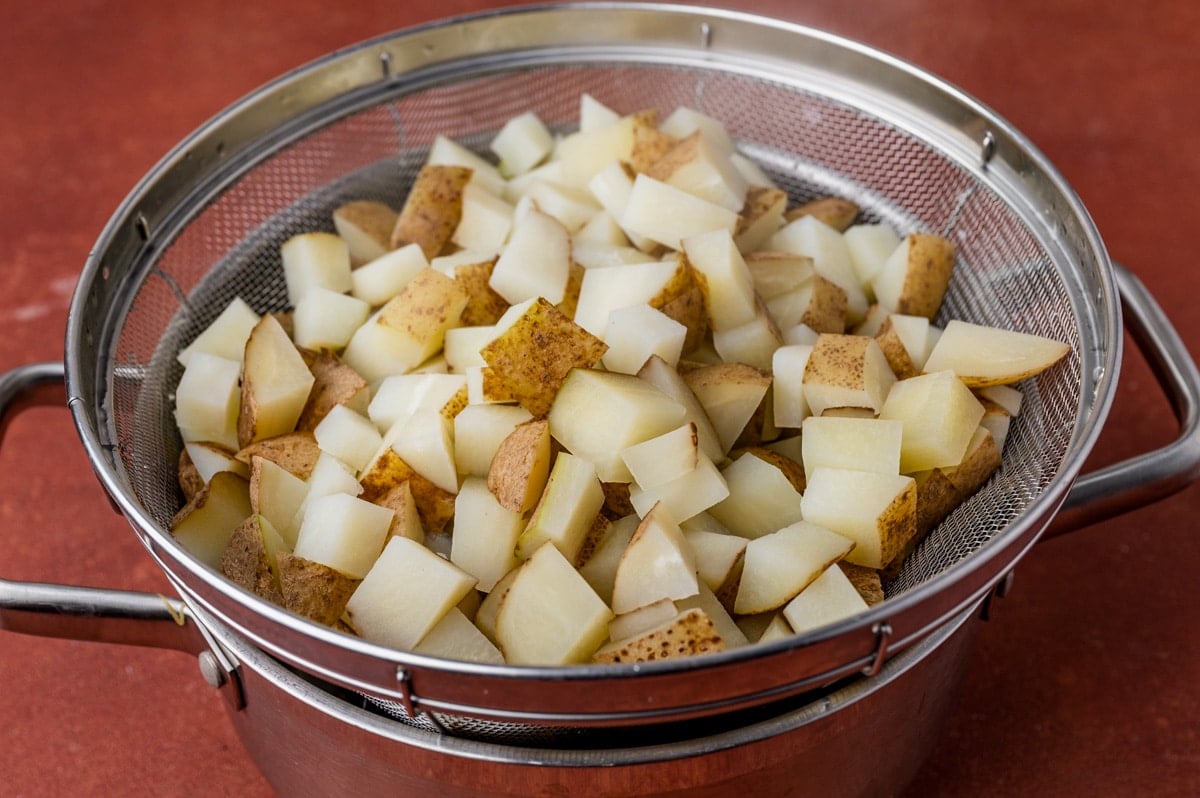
761 498
781 564
366 227
533 357
865 444
315 259
877 511
485 534
343 532
846 371
404 595
381 279
550 615
433 208
916 275
829 598
226 335
939 415
598 414
635 333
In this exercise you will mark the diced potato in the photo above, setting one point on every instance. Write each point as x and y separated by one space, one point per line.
381 279
343 532
348 436
566 510
433 208
334 383
703 170
550 615
761 215
314 590
667 215
846 371
916 275
478 432
661 375
297 452
730 393
939 415
519 469
865 444
983 356
315 259
809 236
276 494
837 212
536 262
656 564
366 227
208 400
522 143
762 499
781 564
829 598
226 335
405 593
275 384
532 358
598 414
637 332
250 558
206 523
485 534
456 637
600 570
684 496
326 319
877 511
689 634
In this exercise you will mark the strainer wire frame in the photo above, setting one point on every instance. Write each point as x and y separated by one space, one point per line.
225 149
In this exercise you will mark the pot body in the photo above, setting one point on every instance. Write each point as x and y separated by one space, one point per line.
866 738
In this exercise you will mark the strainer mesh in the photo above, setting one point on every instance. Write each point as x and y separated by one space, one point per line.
811 144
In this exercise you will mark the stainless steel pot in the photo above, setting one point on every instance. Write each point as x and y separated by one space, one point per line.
823 116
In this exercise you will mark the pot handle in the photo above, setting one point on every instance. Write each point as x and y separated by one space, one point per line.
1154 475
81 613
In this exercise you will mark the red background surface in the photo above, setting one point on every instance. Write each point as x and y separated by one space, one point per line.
1084 682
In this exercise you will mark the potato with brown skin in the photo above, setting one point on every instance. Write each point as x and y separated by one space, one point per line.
432 210
533 356
276 383
435 505
846 371
484 306
521 466
366 226
425 308
248 561
866 581
826 308
687 635
190 481
894 350
334 384
649 143
761 216
836 212
295 451
916 284
314 590
406 521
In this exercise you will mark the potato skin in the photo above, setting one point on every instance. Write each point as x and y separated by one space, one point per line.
432 210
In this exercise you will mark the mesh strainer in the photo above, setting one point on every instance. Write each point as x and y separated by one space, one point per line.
821 115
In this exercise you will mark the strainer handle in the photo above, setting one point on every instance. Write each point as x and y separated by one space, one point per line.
81 613
1154 475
